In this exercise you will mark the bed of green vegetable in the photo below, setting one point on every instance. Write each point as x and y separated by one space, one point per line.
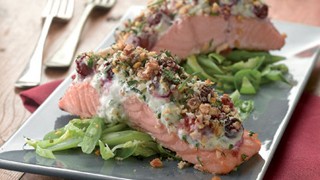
240 70
94 135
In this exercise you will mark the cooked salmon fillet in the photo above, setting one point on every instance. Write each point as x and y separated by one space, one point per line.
192 27
151 93
220 161
202 34
81 99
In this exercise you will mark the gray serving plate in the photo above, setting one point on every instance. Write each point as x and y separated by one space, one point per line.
274 105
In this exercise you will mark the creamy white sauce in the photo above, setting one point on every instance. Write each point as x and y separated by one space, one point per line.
170 116
211 141
243 7
156 103
245 10
111 103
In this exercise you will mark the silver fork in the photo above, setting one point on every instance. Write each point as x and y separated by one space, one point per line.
64 55
55 9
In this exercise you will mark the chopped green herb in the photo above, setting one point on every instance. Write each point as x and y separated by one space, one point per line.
144 97
126 73
168 53
134 31
136 90
199 161
183 84
156 3
132 82
91 61
230 146
172 99
251 133
236 168
170 76
244 157
184 138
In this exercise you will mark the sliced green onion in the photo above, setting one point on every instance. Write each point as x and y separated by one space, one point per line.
44 153
115 138
92 135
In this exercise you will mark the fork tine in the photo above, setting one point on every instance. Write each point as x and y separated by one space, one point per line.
47 8
70 7
62 9
55 7
66 9
111 2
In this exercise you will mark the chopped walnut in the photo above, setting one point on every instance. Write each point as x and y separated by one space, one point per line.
118 46
226 108
151 69
193 103
237 125
156 163
137 65
205 108
215 8
183 164
216 178
220 154
214 111
216 127
128 49
195 135
142 55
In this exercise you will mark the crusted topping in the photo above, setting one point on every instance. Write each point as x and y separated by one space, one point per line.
185 105
145 29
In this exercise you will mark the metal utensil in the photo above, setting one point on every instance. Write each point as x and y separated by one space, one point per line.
64 56
55 9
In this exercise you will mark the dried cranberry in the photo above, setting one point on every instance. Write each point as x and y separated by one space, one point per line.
261 11
187 122
108 71
155 19
205 90
231 130
134 40
170 64
225 10
147 40
221 116
144 40
211 2
233 2
81 67
226 100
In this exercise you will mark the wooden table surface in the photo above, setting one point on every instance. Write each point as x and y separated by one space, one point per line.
20 26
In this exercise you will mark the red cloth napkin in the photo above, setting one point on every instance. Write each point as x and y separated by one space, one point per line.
34 97
297 156
298 153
